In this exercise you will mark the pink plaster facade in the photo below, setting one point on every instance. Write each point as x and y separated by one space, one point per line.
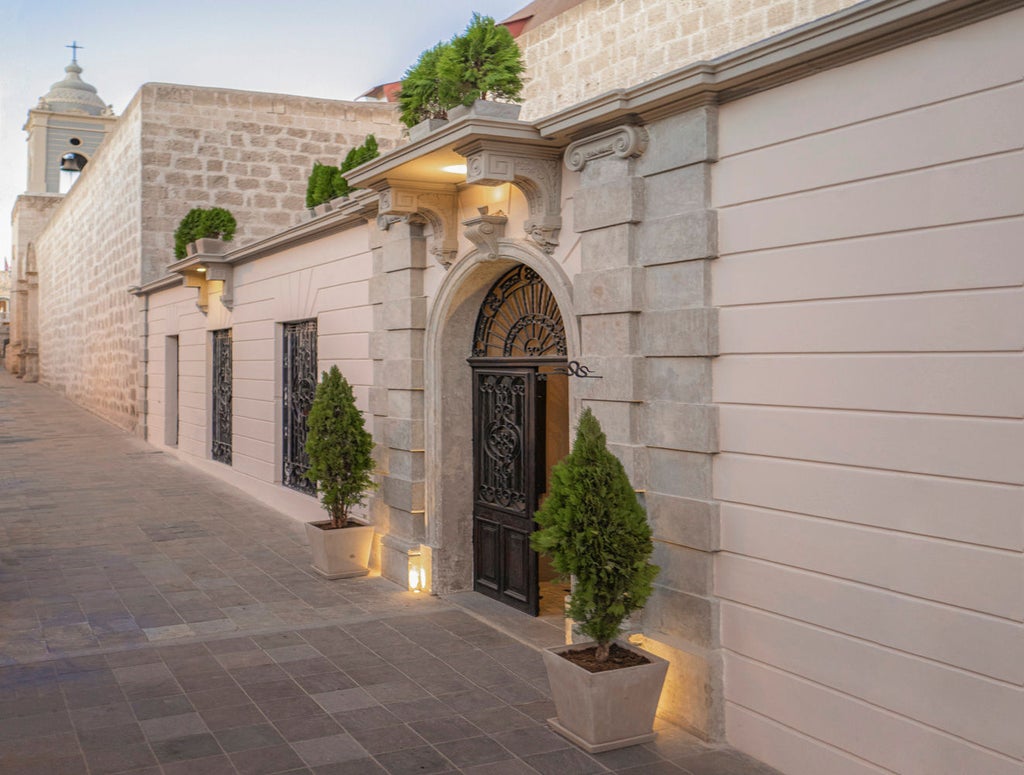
870 394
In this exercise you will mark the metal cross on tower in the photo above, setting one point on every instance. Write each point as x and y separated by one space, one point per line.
74 50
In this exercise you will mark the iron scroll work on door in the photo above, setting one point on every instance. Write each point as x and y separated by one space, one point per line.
571 369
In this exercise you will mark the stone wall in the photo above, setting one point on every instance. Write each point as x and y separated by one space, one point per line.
175 147
87 257
601 45
31 212
250 152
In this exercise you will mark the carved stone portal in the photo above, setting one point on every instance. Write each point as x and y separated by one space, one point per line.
533 170
437 203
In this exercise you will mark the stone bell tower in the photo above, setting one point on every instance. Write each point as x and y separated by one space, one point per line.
64 131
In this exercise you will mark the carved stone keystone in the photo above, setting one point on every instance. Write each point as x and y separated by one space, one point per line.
485 230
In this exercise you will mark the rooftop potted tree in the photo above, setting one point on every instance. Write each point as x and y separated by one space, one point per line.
483 67
424 98
479 71
198 224
327 183
595 531
341 464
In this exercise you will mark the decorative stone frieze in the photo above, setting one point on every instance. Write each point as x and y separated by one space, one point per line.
485 230
623 141
532 169
437 203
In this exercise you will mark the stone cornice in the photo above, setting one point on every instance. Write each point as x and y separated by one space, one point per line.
863 30
455 133
361 207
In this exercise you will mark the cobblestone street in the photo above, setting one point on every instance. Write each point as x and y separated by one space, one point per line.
156 620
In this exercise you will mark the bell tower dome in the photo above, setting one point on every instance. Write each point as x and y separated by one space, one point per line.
64 131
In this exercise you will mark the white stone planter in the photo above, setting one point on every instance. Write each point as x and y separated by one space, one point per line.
486 109
207 246
340 554
603 711
425 127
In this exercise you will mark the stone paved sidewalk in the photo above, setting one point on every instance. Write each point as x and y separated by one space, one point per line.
156 620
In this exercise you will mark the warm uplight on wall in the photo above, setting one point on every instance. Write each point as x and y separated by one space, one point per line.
417 573
455 169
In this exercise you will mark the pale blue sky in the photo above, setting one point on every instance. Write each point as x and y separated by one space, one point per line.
335 49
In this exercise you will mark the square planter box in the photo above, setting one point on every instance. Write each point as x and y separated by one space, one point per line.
608 710
340 554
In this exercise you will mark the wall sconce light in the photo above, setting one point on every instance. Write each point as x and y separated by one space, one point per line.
417 573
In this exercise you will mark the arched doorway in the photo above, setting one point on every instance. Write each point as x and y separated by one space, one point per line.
520 429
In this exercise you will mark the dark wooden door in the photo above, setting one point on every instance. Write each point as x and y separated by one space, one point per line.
508 465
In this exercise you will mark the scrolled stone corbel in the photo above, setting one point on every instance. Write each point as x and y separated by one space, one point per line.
622 141
436 203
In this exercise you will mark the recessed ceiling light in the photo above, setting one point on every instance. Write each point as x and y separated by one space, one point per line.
455 169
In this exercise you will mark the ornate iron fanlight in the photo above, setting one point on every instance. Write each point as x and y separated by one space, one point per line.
519 318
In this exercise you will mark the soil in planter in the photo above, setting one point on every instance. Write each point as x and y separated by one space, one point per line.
328 525
618 657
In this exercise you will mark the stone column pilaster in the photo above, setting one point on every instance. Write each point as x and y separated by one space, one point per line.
648 236
400 311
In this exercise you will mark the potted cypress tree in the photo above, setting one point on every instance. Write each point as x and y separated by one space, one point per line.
424 98
595 531
483 67
341 465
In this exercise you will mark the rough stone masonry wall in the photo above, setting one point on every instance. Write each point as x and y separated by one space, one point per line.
250 152
87 258
601 45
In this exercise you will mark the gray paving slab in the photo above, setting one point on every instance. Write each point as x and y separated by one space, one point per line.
157 620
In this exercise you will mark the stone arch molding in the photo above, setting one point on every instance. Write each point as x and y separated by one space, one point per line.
448 343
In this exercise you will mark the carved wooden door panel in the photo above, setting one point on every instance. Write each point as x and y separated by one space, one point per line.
508 468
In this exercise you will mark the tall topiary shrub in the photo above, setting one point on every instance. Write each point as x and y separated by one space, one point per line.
483 63
339 448
423 94
595 530
326 182
199 223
